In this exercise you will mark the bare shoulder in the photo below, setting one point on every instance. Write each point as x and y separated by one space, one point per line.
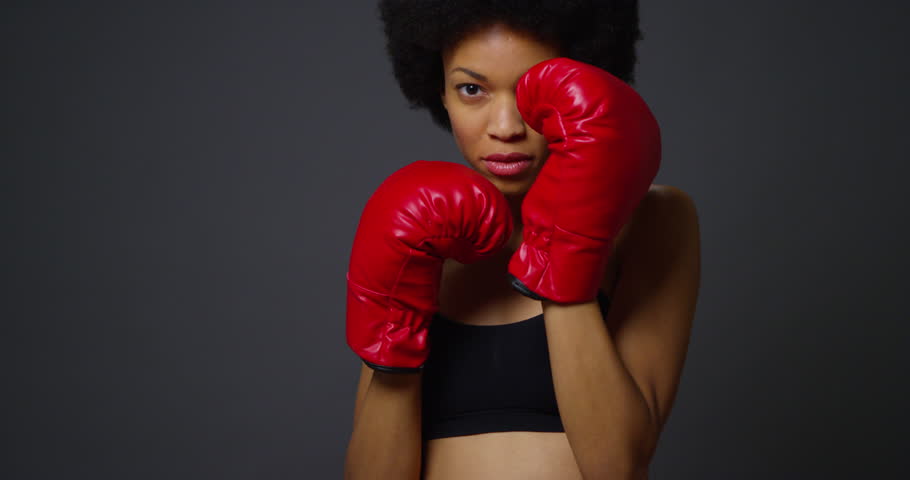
657 293
664 208
670 203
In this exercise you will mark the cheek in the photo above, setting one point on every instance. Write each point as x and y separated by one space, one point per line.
467 131
539 142
535 138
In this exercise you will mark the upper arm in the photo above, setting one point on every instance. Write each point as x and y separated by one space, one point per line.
366 375
651 316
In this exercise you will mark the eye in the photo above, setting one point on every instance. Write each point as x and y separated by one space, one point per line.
468 89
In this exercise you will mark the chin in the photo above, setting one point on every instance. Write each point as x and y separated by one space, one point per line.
512 189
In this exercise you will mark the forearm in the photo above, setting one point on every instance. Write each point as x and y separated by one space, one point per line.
386 439
607 420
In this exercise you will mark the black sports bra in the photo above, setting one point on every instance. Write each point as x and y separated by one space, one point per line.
489 378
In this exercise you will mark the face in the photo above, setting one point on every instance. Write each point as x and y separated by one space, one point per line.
481 73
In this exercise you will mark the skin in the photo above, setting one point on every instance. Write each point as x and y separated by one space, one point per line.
485 120
630 362
481 72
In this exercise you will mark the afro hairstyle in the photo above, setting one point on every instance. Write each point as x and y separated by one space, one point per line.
601 33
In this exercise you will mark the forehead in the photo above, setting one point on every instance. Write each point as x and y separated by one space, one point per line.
496 51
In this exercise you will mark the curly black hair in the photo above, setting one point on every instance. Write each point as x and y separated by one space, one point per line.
602 33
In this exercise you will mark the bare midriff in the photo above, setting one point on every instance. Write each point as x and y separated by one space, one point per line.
476 295
501 456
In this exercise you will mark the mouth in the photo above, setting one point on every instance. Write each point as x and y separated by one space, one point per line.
507 164
506 157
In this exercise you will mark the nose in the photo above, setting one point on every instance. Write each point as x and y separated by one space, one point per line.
505 122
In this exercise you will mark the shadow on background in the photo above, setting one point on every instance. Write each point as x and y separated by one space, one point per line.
182 187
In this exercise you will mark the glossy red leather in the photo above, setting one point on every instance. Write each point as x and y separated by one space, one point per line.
420 215
605 151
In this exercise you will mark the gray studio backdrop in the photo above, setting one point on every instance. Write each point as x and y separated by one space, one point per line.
181 188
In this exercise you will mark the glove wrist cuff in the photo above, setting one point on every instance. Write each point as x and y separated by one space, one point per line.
567 268
386 338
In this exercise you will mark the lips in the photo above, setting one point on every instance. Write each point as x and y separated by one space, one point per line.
507 164
507 157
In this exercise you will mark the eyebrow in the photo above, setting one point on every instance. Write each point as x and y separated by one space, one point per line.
471 73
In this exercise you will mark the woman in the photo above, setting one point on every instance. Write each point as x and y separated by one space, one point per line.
515 380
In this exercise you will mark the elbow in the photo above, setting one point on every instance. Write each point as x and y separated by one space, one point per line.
637 468
629 471
636 462
638 473
631 467
618 474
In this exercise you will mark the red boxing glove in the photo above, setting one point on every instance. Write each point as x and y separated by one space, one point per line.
604 152
419 216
